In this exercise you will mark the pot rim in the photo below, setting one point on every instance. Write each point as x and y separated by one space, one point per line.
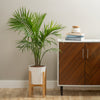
32 65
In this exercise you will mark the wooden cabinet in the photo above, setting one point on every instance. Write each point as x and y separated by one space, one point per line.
79 63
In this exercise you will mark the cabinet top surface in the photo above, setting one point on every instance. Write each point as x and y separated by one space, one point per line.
85 40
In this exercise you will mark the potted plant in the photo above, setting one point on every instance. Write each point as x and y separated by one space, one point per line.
35 38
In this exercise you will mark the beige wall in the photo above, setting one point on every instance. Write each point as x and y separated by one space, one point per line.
13 63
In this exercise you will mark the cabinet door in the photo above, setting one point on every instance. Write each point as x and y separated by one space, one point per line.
71 63
92 69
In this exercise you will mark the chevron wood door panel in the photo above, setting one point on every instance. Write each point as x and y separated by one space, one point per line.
92 67
71 63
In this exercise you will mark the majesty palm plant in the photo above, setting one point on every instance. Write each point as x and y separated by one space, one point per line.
35 39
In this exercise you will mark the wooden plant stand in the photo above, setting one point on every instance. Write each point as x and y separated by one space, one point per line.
31 86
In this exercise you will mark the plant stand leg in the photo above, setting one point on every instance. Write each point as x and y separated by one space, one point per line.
30 86
61 90
30 91
44 92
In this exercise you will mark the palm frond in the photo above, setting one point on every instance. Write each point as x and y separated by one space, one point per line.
52 29
37 21
24 44
50 49
21 21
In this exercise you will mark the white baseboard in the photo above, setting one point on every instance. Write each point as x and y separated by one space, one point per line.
23 84
50 85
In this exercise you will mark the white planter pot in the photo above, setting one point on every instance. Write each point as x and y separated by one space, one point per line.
37 74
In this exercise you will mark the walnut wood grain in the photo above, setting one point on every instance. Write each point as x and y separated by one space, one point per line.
92 66
71 64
